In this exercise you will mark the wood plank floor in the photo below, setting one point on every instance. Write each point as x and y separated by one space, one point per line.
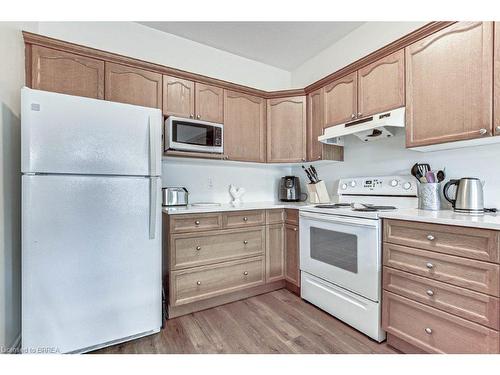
276 322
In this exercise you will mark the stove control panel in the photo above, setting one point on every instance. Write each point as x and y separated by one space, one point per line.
385 185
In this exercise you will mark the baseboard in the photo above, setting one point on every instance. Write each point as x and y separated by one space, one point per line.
15 347
402 345
292 287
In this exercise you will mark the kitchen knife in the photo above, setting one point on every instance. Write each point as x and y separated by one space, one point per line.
308 175
315 173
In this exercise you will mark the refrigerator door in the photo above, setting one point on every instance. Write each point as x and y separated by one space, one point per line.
76 135
91 260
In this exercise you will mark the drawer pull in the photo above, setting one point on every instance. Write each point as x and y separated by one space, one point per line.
198 248
295 229
430 237
428 331
430 293
197 222
245 242
245 273
429 266
245 218
198 283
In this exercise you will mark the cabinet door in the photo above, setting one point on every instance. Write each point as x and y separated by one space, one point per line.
66 73
275 252
340 100
449 85
244 127
496 81
292 268
381 85
129 85
209 103
286 129
315 123
178 97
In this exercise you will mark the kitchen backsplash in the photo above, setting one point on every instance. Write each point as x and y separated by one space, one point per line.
209 180
390 157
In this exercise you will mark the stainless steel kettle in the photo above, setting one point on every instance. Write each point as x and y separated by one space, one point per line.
468 195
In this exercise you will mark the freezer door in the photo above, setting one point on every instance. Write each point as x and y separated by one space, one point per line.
91 260
76 135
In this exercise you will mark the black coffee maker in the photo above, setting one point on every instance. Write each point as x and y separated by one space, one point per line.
289 190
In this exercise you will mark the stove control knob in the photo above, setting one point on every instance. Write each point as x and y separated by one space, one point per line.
407 185
343 186
353 183
394 183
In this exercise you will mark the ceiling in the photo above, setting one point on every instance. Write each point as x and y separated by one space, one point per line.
284 45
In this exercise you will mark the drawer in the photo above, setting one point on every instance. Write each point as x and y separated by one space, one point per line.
471 274
433 330
474 243
189 250
239 219
478 307
275 216
292 216
194 222
200 283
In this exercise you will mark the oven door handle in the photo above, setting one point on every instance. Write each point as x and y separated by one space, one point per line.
340 219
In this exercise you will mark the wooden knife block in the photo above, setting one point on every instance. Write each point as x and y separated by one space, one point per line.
317 192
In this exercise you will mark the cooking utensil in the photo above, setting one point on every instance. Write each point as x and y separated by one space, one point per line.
440 176
430 177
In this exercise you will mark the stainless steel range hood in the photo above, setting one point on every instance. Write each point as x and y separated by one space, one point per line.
367 129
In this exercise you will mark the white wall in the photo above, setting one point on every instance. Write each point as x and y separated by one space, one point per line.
390 157
360 42
138 41
11 81
209 180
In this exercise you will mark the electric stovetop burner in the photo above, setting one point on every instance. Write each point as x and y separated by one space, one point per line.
336 205
357 207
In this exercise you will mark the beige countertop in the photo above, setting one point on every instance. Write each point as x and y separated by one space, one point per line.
229 207
449 217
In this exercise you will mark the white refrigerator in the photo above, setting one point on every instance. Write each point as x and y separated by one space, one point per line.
91 222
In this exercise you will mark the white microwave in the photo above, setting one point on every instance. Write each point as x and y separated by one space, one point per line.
184 134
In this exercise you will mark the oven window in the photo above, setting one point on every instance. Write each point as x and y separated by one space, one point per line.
192 134
335 248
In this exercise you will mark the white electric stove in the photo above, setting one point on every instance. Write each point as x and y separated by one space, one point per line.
341 249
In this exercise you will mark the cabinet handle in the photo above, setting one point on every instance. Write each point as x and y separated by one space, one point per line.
483 131
197 222
198 283
198 248
198 117
430 293
353 116
360 114
245 273
497 129
430 237
428 331
245 242
295 229
430 265
191 116
319 157
245 218
303 159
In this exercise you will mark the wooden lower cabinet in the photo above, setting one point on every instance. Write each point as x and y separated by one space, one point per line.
435 302
275 255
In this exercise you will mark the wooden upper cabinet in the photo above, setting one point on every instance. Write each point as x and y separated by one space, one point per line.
209 103
244 127
178 97
66 73
449 85
130 85
381 85
496 81
340 100
286 129
315 123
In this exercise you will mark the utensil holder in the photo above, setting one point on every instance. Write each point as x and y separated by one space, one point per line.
429 196
317 192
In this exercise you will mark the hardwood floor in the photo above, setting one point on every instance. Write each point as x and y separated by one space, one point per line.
276 322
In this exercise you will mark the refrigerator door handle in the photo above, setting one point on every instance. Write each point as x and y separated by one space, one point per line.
152 149
152 207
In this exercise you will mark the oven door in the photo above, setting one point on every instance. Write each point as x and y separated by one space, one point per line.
342 250
194 135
